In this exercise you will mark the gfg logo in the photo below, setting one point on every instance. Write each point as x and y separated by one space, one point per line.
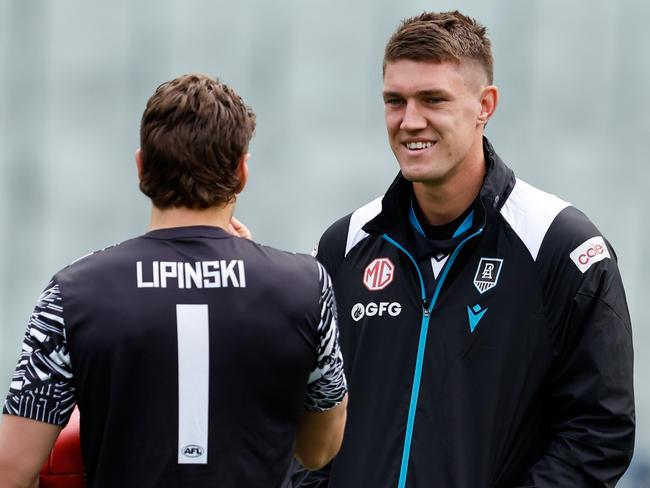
192 451
373 309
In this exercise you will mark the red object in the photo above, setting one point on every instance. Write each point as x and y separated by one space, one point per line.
64 468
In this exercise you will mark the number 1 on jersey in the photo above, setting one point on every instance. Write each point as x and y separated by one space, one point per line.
193 383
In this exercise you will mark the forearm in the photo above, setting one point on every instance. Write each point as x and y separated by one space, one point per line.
569 462
591 405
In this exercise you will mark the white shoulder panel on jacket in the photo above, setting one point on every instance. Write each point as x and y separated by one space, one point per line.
358 219
530 212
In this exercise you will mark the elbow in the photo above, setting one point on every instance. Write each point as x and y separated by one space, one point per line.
314 459
313 463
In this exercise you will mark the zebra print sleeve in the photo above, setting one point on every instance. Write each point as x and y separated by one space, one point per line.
326 386
41 387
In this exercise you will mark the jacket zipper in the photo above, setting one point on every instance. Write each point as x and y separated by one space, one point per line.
427 307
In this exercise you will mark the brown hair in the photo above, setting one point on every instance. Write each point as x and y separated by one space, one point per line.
438 37
193 134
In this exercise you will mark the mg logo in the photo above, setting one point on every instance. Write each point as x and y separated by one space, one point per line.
192 451
378 274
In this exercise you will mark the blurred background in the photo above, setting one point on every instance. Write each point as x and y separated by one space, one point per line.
75 76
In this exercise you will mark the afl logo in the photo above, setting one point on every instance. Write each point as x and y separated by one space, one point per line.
192 451
378 274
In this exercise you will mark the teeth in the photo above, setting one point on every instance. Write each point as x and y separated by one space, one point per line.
418 145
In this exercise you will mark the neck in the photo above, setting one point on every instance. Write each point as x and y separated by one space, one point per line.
442 202
218 216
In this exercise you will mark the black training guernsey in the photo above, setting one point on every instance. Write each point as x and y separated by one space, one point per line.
191 354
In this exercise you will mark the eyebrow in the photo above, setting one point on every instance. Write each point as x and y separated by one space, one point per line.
419 94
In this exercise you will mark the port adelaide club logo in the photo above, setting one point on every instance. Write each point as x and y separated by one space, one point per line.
378 274
487 274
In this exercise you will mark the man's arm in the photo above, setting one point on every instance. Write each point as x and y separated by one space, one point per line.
41 394
320 429
593 405
24 446
591 398
320 435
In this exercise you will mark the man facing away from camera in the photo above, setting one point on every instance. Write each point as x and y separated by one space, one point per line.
197 358
484 325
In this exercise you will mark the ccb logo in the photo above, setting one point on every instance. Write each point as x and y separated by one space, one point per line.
589 252
378 274
192 451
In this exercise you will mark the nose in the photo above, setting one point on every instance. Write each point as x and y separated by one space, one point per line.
413 118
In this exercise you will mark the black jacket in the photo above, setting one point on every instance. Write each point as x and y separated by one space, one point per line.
509 365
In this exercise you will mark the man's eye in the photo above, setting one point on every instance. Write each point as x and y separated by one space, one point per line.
434 100
393 101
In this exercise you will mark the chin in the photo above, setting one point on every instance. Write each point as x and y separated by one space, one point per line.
415 176
423 177
410 177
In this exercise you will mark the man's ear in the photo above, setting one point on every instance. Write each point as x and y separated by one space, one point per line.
242 172
138 162
489 100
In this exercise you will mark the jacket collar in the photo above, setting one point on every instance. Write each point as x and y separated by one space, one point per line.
394 216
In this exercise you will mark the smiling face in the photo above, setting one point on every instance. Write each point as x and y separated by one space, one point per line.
435 114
